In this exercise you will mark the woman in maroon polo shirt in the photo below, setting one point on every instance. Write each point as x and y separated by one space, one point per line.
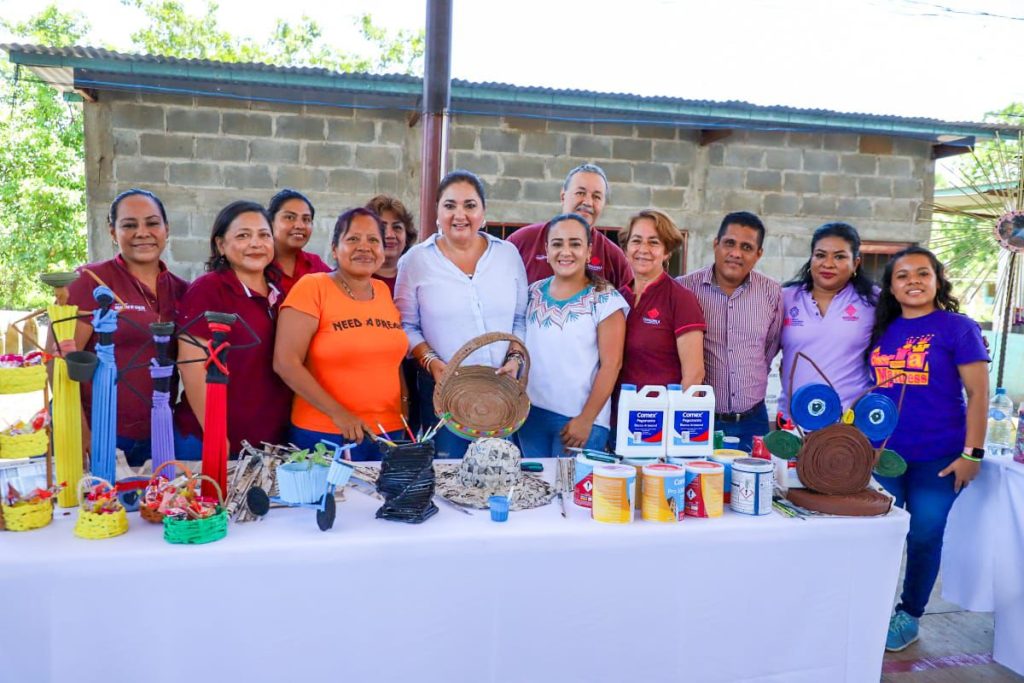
291 218
259 403
665 326
138 227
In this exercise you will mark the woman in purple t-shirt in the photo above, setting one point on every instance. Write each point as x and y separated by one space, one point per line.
922 342
830 311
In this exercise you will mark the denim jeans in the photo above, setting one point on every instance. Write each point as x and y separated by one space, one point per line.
928 498
363 451
540 436
747 428
136 451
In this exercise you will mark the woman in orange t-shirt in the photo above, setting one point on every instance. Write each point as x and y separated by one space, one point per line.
340 345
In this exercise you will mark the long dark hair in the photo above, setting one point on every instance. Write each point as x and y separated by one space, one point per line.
861 283
889 309
598 282
278 200
222 222
461 175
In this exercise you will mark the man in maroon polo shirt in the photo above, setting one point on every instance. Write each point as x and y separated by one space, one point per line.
584 192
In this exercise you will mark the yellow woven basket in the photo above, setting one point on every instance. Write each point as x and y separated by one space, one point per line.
23 445
28 516
96 526
22 380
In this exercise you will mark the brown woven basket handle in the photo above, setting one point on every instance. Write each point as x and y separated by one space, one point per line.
200 477
177 463
480 342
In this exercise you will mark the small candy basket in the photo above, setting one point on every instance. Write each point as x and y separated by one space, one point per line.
29 515
193 519
159 491
102 515
21 376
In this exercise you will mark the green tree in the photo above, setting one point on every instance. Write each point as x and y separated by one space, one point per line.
42 169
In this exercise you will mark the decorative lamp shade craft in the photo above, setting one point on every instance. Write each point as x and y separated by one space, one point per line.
161 368
215 420
103 445
481 403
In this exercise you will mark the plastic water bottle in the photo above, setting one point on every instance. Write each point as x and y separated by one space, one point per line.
1000 436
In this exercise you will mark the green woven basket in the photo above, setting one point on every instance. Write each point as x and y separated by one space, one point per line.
195 531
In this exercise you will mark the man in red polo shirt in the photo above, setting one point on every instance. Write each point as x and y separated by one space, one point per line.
584 192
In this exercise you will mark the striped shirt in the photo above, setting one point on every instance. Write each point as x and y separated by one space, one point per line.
742 336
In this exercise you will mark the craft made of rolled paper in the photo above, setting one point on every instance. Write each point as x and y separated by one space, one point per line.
836 460
866 503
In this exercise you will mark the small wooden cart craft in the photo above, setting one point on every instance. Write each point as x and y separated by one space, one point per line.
308 485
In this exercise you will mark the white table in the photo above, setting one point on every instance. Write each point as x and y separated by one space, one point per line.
458 598
983 554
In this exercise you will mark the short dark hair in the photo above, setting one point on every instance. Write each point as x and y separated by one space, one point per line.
344 222
283 196
460 175
747 220
587 168
112 215
385 202
223 221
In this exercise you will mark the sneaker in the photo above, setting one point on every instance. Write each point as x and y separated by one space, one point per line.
902 631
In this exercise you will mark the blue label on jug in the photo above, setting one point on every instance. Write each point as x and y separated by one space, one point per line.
691 427
645 427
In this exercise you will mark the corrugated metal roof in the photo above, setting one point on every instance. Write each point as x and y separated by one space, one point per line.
473 97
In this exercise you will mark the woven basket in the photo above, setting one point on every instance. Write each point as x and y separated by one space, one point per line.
22 380
480 402
194 531
28 516
23 445
151 514
96 526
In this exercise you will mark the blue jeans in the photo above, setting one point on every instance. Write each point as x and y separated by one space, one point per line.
136 451
187 447
747 428
541 434
928 498
365 450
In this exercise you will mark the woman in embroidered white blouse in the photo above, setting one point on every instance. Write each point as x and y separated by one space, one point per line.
575 330
456 285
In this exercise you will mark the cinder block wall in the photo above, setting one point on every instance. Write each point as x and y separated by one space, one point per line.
198 154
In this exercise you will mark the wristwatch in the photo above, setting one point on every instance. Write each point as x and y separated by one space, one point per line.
974 454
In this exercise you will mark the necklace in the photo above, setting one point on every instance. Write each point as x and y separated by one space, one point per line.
348 290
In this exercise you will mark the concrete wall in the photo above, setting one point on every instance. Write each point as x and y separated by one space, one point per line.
198 154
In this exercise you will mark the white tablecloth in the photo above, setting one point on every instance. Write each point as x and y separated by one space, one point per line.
458 598
983 554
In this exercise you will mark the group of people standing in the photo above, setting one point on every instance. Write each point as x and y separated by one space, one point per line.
358 347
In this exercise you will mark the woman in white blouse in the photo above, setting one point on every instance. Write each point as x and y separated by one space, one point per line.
456 285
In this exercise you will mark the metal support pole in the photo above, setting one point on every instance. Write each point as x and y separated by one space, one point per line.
436 101
1004 336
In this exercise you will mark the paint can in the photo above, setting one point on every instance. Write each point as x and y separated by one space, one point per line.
639 464
725 457
704 488
614 491
663 496
752 482
583 480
